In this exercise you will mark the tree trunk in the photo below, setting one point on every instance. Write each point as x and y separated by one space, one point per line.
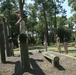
55 26
2 43
24 53
23 44
6 40
21 8
46 26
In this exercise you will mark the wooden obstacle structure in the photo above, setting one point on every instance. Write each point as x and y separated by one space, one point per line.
54 59
2 42
25 64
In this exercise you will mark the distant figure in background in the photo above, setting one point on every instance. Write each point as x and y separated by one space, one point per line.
11 46
15 41
45 42
58 43
65 44
75 45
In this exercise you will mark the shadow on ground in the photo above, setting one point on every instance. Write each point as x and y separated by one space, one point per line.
58 66
35 70
17 70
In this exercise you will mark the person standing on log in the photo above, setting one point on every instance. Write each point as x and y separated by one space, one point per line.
58 43
20 22
25 63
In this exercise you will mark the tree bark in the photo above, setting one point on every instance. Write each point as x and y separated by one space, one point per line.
6 40
46 26
23 43
2 43
24 53
21 4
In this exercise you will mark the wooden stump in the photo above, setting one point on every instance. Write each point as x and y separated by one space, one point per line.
24 53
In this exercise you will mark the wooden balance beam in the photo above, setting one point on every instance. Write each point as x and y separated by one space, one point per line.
54 59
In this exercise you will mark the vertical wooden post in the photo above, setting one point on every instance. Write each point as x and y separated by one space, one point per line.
6 39
2 42
24 53
23 43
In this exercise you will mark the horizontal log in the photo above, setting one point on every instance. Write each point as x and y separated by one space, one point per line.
54 59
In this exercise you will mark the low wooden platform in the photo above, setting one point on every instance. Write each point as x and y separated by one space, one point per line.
54 59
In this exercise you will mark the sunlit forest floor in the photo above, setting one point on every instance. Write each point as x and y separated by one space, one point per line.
39 64
52 47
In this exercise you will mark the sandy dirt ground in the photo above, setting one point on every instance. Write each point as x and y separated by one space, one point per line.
39 65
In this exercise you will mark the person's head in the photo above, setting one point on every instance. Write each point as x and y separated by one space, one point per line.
56 35
16 12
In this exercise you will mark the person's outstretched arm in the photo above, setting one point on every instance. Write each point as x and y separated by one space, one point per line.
18 21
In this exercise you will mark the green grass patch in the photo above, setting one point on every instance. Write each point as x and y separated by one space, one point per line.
50 48
16 51
72 54
71 48
36 47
